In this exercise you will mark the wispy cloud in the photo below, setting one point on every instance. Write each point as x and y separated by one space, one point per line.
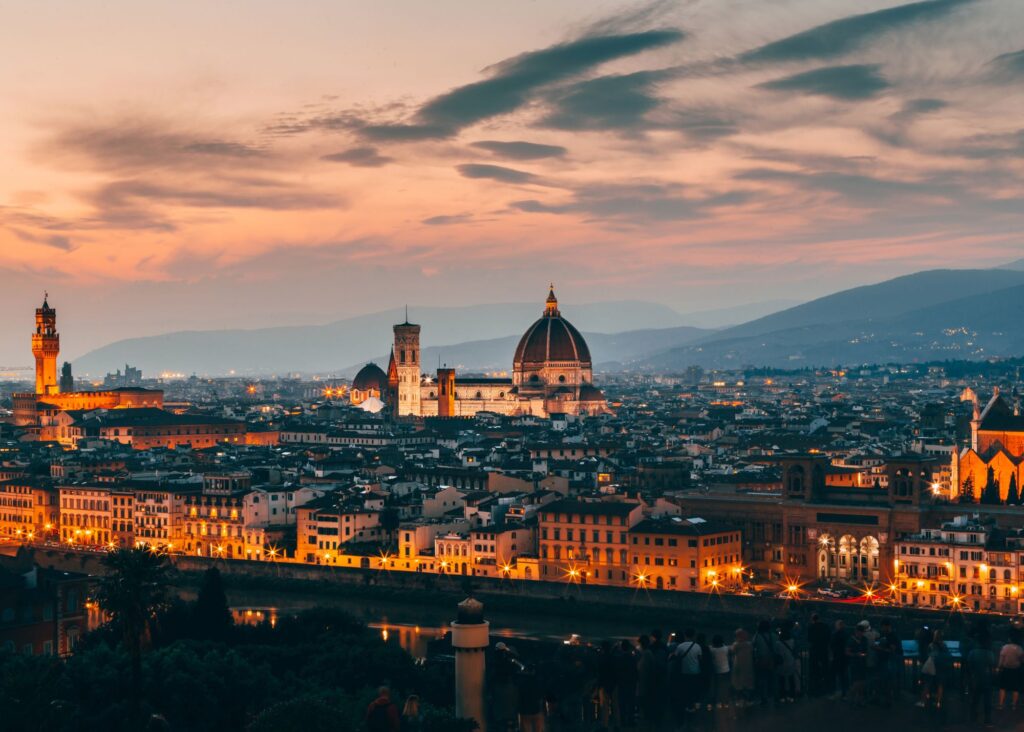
519 150
362 157
639 203
852 82
839 37
495 172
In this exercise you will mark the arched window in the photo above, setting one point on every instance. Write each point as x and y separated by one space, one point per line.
796 480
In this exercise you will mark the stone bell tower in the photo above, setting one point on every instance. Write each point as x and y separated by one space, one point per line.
407 364
45 347
445 392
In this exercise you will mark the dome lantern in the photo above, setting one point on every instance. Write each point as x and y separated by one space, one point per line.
551 304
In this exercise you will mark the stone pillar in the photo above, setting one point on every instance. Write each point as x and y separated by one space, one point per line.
470 638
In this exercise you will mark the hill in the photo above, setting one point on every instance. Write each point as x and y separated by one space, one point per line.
333 346
495 354
931 315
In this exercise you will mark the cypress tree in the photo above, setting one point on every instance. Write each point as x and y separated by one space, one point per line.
990 496
212 615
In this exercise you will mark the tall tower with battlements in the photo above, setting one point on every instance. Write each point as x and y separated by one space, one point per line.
407 364
445 392
45 347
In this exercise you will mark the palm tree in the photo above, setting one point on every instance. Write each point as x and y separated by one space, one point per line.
132 592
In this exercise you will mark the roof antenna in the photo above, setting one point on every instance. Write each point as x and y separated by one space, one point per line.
407 314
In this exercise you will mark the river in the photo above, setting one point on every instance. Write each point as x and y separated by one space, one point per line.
413 625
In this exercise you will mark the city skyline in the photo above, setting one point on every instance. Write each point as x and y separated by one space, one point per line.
193 174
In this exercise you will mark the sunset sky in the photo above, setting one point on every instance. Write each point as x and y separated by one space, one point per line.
190 164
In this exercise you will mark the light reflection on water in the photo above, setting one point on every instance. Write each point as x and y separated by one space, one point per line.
254 615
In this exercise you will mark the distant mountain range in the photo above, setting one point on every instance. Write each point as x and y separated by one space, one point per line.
608 350
475 337
932 315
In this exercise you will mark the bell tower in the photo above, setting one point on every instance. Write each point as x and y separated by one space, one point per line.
407 364
445 392
45 347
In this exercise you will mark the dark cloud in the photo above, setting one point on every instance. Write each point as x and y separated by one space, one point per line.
1009 66
495 172
446 220
856 81
234 193
839 37
229 149
860 189
521 150
706 124
130 145
56 241
512 82
993 146
363 157
402 132
510 85
620 102
638 203
916 107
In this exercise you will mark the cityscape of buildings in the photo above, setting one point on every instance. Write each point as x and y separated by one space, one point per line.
901 485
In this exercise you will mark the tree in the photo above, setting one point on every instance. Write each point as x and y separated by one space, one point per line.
967 491
212 615
132 592
990 495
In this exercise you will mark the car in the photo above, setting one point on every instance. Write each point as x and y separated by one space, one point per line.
828 592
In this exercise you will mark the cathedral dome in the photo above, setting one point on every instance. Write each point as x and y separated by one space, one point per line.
371 376
552 338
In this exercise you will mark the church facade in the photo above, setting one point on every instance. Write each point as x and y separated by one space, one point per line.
552 373
994 462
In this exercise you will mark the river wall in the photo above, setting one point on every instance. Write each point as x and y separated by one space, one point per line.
670 609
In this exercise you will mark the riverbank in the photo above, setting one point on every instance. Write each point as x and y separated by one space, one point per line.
617 611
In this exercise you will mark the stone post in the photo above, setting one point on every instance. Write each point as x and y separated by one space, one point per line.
470 638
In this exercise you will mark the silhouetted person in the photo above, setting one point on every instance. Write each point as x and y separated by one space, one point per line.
818 637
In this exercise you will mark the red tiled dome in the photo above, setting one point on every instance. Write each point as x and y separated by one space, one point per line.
552 338
371 376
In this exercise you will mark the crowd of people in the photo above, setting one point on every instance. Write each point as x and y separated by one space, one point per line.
663 682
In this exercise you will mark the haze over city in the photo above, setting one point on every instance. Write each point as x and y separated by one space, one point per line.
179 165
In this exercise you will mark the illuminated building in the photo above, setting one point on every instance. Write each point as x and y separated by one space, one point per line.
967 564
214 519
143 429
325 526
587 542
122 516
686 554
995 458
370 383
807 529
552 373
38 408
28 509
159 514
496 549
85 515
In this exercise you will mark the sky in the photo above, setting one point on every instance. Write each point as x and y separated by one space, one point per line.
195 165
